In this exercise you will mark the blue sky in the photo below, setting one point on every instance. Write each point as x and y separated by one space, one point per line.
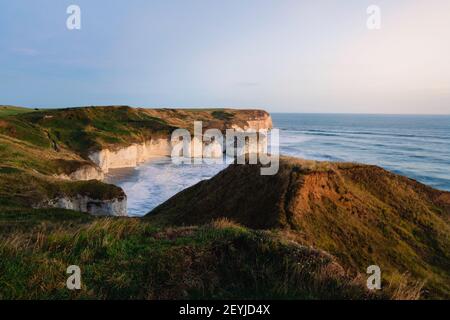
280 55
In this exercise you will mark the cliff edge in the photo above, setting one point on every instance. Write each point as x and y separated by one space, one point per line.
363 215
55 147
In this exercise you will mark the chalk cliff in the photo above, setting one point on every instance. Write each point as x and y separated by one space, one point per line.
261 121
96 207
113 157
136 153
78 146
130 156
86 172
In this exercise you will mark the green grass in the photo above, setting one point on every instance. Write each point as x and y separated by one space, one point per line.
38 145
21 189
85 129
222 115
11 110
359 214
363 215
17 128
123 258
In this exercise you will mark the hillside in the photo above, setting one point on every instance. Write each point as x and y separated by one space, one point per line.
86 129
132 258
124 258
308 232
41 151
12 110
361 214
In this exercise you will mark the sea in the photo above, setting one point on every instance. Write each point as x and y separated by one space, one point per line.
417 146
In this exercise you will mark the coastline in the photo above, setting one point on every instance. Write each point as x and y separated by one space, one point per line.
305 140
326 206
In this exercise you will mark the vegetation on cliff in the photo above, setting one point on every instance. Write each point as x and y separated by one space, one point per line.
124 258
21 189
82 130
308 232
38 146
361 214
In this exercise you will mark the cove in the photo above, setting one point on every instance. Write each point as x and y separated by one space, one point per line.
156 180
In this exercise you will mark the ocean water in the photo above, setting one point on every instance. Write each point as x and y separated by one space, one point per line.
155 181
414 146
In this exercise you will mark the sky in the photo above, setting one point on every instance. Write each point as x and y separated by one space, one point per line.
279 55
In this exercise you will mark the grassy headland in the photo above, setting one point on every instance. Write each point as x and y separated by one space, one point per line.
361 214
308 232
40 145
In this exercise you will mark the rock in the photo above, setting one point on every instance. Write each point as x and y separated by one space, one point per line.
111 207
86 172
130 156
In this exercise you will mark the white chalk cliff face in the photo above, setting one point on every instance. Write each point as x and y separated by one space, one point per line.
261 123
133 155
111 207
130 156
87 172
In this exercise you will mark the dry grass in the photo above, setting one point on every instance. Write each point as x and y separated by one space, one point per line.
361 214
132 259
223 223
406 288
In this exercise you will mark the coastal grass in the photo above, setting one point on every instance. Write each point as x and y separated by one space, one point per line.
360 215
126 258
25 156
82 130
363 215
22 189
12 110
37 146
92 128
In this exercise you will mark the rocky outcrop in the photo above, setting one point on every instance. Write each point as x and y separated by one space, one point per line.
97 207
87 172
261 121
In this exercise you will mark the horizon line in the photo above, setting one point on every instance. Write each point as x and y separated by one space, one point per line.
231 107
